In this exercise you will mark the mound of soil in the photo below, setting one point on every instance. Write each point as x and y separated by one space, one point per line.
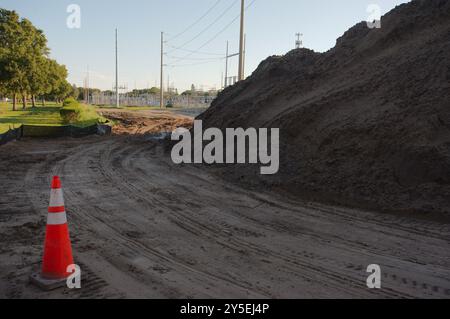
366 123
145 122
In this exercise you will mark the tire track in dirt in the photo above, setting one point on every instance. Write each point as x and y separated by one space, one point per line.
200 229
183 221
435 289
133 245
144 227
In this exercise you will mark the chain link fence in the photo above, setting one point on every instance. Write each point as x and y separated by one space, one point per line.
182 101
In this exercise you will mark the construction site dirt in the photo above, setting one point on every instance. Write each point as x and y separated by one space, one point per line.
364 124
143 227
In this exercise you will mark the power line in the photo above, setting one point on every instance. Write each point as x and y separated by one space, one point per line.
196 22
192 51
208 27
194 59
215 36
191 64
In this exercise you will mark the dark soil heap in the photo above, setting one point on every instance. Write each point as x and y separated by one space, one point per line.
366 123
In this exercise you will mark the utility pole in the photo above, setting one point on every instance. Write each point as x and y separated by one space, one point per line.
245 53
298 42
227 56
226 68
241 43
88 85
117 71
161 93
84 90
169 93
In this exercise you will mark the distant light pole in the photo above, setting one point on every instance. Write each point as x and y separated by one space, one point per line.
227 56
241 43
161 93
117 71
226 67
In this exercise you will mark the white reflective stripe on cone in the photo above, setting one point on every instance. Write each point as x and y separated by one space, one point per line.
56 198
56 219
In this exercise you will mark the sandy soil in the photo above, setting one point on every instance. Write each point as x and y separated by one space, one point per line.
366 123
143 227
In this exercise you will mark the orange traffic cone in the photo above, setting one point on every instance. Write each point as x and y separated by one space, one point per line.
57 250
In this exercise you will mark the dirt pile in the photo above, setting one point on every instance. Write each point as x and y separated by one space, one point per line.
366 123
145 122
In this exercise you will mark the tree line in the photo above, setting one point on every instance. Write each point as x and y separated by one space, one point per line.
26 70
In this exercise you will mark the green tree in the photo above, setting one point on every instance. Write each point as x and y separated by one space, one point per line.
34 61
63 91
25 68
75 93
40 79
154 90
12 52
59 88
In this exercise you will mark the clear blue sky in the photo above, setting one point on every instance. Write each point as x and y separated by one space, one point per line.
270 27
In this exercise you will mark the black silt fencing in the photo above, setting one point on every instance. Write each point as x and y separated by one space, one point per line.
11 135
54 131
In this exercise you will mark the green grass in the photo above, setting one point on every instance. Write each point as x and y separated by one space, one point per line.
5 127
48 115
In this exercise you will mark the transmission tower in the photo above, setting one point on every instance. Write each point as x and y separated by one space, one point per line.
298 42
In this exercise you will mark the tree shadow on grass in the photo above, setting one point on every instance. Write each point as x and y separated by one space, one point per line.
36 115
43 109
10 120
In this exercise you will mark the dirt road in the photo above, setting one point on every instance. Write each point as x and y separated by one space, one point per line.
143 227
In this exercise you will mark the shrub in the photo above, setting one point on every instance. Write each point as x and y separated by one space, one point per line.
74 113
70 111
70 101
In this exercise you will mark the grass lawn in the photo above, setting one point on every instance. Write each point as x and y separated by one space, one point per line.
41 115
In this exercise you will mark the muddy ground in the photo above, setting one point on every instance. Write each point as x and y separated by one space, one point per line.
143 227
